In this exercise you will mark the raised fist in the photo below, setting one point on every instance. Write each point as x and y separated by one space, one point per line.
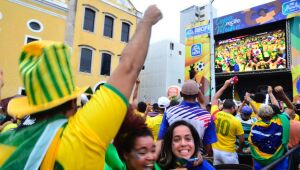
228 82
270 89
278 89
152 14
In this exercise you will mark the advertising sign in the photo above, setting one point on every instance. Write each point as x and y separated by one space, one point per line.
259 15
197 55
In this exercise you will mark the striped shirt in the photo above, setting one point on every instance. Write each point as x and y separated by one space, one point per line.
193 114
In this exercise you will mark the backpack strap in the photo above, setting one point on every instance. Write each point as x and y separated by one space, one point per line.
42 145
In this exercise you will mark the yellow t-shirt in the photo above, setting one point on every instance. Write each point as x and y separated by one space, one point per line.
257 106
227 128
297 118
154 124
84 140
138 113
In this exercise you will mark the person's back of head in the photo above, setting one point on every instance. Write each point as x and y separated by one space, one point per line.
189 90
265 112
49 79
228 104
259 97
246 112
208 107
163 103
155 107
141 107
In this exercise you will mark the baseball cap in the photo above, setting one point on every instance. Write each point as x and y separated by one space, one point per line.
190 87
163 102
246 110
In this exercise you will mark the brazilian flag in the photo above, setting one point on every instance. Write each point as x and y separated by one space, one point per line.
23 146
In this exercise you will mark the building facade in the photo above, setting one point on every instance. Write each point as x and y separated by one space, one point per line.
102 30
23 21
193 14
164 67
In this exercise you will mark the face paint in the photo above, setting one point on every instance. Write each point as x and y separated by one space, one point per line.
136 155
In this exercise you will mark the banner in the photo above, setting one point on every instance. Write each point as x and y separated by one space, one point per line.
295 67
259 15
197 55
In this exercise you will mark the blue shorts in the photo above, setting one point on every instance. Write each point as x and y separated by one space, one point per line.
282 165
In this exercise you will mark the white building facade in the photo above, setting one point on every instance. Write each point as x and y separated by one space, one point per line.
163 68
193 14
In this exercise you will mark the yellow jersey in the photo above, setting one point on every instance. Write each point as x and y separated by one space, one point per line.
227 128
82 143
154 124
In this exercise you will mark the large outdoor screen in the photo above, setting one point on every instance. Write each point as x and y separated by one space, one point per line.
247 53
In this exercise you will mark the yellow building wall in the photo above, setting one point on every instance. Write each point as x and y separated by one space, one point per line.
13 28
97 41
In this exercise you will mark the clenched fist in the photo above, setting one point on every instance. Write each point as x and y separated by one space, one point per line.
152 15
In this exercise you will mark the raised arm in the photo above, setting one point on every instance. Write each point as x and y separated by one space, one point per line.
200 99
272 97
250 101
135 94
282 96
134 54
221 91
240 108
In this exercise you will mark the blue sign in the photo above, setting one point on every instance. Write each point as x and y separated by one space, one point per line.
204 29
290 7
263 14
196 50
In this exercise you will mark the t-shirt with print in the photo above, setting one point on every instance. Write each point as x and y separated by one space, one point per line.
227 128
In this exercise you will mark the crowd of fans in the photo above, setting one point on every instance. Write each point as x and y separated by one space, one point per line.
249 53
46 129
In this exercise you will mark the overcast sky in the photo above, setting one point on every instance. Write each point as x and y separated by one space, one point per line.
169 26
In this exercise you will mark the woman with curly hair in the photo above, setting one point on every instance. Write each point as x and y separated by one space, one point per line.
134 147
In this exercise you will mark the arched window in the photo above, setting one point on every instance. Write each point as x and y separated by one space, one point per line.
105 64
125 32
108 26
89 19
86 55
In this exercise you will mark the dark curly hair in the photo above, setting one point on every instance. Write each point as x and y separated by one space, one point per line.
133 126
167 158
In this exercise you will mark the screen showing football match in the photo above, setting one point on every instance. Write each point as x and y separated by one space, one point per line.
256 52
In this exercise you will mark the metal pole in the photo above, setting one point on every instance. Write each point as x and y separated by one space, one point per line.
212 52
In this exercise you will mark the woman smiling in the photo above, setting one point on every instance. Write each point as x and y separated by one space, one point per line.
181 147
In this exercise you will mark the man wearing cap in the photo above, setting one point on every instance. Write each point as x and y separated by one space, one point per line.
189 110
244 116
61 137
228 129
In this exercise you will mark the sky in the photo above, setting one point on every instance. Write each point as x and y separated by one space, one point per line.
169 26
